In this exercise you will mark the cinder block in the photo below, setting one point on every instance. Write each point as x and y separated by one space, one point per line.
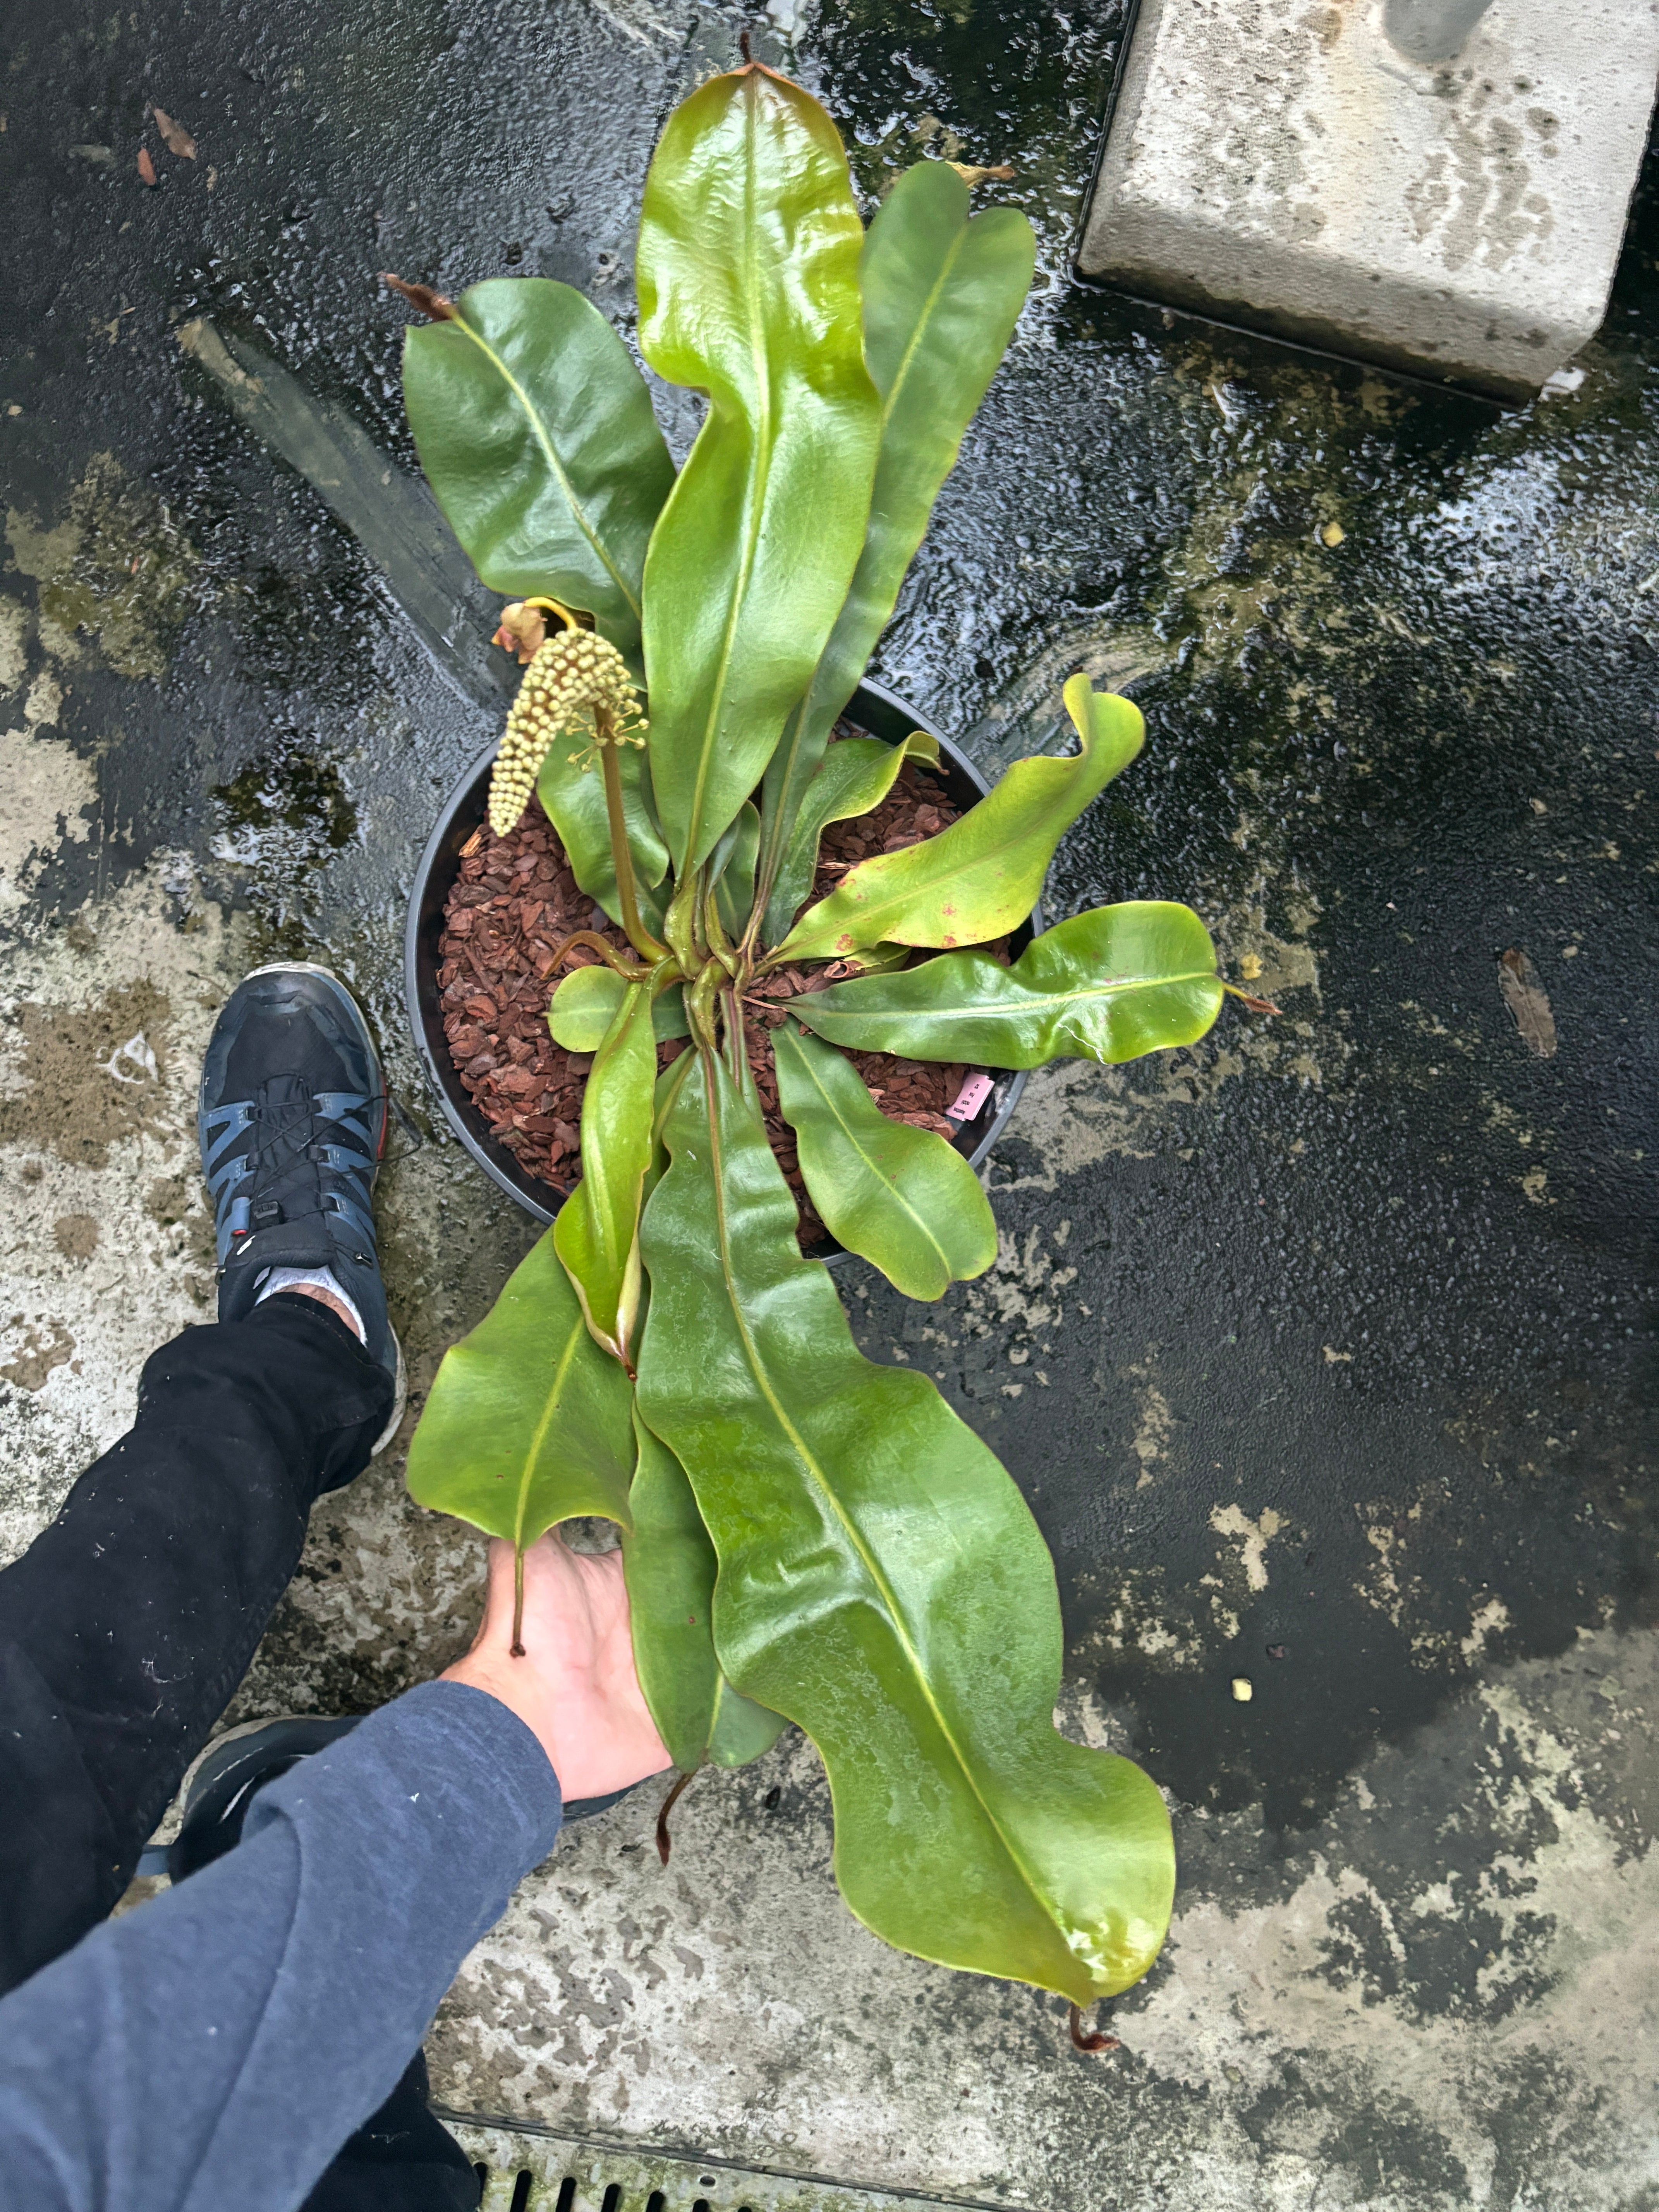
1439 186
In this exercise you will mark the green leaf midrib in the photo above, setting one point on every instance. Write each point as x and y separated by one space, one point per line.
922 322
853 1140
765 436
717 1176
1027 1002
551 451
556 1392
881 898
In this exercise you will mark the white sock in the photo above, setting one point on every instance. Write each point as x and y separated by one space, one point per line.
316 1278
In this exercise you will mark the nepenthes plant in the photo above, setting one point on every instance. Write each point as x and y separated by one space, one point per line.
810 1537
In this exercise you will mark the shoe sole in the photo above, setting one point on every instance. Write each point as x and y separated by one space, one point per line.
400 1384
399 1400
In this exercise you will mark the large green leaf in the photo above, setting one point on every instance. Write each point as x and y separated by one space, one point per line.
536 432
941 296
670 1565
596 1234
1107 985
899 1197
883 1584
585 1005
853 776
748 291
574 801
982 876
528 1422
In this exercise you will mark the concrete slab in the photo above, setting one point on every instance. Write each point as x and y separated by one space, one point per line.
1440 185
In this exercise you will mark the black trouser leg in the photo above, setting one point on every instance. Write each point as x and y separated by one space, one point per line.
400 2161
127 1624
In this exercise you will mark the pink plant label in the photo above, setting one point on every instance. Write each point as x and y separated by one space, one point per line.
971 1097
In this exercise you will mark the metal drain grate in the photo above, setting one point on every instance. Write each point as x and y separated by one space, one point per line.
526 2170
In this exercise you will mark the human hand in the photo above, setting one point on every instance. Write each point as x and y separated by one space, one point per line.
574 1688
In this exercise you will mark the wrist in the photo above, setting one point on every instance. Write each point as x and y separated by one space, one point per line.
512 1684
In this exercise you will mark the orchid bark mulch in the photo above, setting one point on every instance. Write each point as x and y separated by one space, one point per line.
515 899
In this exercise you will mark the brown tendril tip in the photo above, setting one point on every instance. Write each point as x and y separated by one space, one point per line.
421 297
1094 2040
665 1841
743 46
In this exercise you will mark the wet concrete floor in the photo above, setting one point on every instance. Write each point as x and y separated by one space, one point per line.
1324 1352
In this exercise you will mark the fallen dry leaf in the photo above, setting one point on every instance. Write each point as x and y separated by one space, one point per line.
174 136
971 173
1526 1000
146 167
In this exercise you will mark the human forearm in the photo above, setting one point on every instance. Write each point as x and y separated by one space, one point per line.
217 2046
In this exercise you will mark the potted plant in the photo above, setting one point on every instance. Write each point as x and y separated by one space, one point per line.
809 1537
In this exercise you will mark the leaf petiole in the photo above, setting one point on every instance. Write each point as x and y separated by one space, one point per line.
591 939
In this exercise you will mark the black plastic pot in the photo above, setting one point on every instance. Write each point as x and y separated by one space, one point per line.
872 709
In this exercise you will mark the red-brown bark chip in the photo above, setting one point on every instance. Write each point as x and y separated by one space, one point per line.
514 899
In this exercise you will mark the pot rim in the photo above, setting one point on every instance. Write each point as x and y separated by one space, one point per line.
873 708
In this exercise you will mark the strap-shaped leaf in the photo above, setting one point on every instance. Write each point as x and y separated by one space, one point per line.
573 798
596 1234
883 1584
941 296
1107 985
748 291
670 1565
528 1422
586 1002
853 776
899 1197
536 433
731 869
982 876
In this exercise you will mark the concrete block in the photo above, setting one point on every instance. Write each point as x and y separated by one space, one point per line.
1439 186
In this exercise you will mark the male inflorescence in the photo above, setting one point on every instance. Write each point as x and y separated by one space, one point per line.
577 684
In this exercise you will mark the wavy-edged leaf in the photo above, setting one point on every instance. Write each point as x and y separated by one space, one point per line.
899 1197
670 1565
536 433
1108 985
731 869
942 293
883 1584
573 799
528 1422
982 876
853 777
748 291
596 1234
585 1005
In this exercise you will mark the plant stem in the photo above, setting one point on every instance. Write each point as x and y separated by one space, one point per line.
622 858
678 927
700 1005
517 1650
714 930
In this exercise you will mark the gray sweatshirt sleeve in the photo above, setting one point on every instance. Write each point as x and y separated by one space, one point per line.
218 2046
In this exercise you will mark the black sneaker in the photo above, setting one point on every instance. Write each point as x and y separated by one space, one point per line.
292 1121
